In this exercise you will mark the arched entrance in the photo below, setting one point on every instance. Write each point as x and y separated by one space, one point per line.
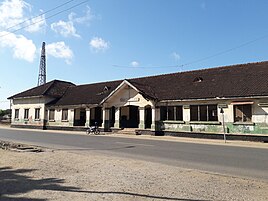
129 116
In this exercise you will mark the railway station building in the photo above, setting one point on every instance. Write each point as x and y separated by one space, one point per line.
231 99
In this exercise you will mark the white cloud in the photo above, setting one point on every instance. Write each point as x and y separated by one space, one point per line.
11 12
36 24
175 56
13 16
98 44
84 19
134 64
66 29
22 47
60 50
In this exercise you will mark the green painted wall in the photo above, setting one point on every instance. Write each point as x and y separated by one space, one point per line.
208 127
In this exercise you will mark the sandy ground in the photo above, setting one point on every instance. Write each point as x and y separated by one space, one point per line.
62 175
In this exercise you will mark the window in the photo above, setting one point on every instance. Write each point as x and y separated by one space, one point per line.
242 113
173 113
51 116
203 113
17 113
37 113
26 113
64 115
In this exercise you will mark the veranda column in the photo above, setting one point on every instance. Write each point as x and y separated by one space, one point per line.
142 118
117 118
156 118
106 119
87 117
71 117
153 118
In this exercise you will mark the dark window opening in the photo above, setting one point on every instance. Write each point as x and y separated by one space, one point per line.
51 116
172 113
203 113
26 114
64 115
37 113
242 113
17 113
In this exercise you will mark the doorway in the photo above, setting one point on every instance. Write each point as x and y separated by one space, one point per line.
148 117
129 116
80 117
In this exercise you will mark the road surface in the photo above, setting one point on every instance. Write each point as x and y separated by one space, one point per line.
231 160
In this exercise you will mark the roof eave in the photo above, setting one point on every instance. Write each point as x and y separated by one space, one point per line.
216 98
26 97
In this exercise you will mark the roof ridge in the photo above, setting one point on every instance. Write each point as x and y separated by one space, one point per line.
48 87
101 82
200 70
53 83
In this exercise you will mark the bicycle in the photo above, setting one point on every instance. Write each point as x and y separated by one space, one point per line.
94 130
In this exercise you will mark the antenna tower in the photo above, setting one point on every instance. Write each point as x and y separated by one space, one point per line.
42 66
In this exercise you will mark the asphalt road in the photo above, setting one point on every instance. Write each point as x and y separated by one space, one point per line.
219 159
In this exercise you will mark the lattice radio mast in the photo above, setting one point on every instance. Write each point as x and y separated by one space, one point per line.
42 66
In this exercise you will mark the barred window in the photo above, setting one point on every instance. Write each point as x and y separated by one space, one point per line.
17 113
37 113
203 113
64 114
26 113
173 113
51 116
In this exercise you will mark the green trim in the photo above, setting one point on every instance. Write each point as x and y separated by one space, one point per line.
244 123
206 122
173 122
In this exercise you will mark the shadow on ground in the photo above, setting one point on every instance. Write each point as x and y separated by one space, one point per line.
13 183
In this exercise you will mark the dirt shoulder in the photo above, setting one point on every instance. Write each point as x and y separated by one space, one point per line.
62 175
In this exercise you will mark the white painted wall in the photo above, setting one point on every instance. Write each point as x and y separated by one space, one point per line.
31 104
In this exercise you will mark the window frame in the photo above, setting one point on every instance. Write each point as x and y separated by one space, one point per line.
26 113
171 113
37 114
16 113
243 116
204 113
50 115
64 117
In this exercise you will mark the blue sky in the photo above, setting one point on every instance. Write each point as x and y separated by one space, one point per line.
104 40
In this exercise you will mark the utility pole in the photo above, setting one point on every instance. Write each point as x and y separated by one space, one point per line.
223 125
42 66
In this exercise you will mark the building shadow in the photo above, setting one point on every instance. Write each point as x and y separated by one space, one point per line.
13 182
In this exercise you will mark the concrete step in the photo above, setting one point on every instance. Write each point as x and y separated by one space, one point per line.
127 131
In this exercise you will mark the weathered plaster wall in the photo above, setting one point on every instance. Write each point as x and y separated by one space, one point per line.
259 123
31 104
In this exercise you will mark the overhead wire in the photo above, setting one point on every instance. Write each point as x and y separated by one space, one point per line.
48 11
122 66
198 60
14 31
